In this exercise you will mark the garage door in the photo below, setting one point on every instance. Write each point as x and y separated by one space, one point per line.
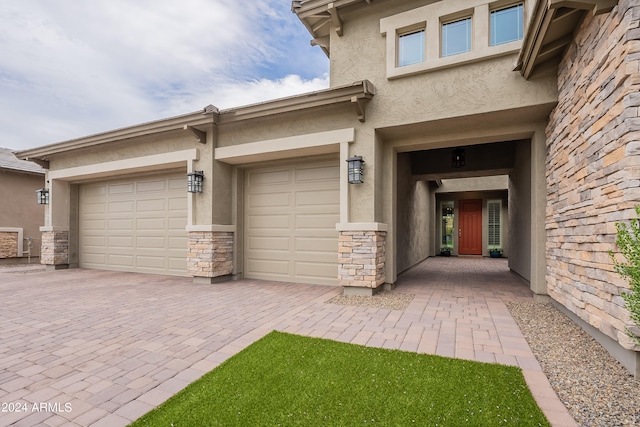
135 225
290 223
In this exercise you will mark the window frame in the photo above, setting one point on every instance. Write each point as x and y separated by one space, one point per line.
492 227
521 17
469 35
408 31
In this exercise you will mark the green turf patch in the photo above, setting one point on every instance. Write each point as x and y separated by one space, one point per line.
287 380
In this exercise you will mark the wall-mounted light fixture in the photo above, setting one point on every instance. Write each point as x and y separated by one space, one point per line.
43 196
356 170
194 181
457 158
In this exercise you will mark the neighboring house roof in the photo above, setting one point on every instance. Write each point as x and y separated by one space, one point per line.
8 161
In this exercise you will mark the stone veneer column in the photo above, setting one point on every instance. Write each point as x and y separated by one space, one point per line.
210 255
361 262
55 249
593 169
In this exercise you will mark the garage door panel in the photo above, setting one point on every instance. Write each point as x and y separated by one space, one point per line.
257 222
150 242
178 224
269 200
120 261
269 243
135 225
317 198
323 175
315 222
120 224
290 220
151 205
94 224
98 208
314 270
120 241
156 185
151 224
277 177
316 245
151 262
268 267
118 189
126 207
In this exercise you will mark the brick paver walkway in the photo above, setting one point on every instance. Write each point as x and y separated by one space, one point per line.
98 348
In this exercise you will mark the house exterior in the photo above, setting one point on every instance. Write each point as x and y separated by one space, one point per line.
20 217
539 95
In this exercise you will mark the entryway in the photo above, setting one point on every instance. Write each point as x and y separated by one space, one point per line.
470 227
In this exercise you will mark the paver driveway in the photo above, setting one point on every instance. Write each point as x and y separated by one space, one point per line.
102 348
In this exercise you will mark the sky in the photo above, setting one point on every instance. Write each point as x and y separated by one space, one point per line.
72 68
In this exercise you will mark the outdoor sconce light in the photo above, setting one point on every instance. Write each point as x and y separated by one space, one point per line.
194 181
43 196
457 158
356 170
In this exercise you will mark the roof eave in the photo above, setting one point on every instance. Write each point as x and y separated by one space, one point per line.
196 119
319 16
357 93
559 17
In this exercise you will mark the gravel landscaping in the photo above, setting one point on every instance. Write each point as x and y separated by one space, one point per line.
596 389
385 299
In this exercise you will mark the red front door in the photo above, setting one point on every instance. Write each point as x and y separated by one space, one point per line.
470 227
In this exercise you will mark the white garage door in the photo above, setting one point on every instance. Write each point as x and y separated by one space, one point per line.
135 225
290 223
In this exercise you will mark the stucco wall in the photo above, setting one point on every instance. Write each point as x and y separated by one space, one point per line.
520 212
19 207
414 209
593 166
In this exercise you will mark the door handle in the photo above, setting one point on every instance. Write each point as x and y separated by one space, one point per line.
459 232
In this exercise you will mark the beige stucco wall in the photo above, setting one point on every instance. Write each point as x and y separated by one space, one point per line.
19 208
593 167
475 93
414 211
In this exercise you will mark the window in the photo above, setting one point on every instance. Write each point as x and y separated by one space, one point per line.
456 37
507 24
447 225
411 48
494 208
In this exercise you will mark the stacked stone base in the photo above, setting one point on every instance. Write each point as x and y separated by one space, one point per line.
55 249
361 261
210 256
8 245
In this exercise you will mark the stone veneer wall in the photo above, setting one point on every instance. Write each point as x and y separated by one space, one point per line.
361 258
55 248
210 254
8 245
593 166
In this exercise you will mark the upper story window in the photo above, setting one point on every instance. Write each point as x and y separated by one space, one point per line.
507 24
456 37
445 34
411 48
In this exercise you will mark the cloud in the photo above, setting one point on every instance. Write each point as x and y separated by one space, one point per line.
73 68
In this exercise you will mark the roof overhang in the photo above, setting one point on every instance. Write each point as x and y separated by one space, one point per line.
357 95
551 29
319 16
199 120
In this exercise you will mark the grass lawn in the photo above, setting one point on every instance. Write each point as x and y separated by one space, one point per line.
285 379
